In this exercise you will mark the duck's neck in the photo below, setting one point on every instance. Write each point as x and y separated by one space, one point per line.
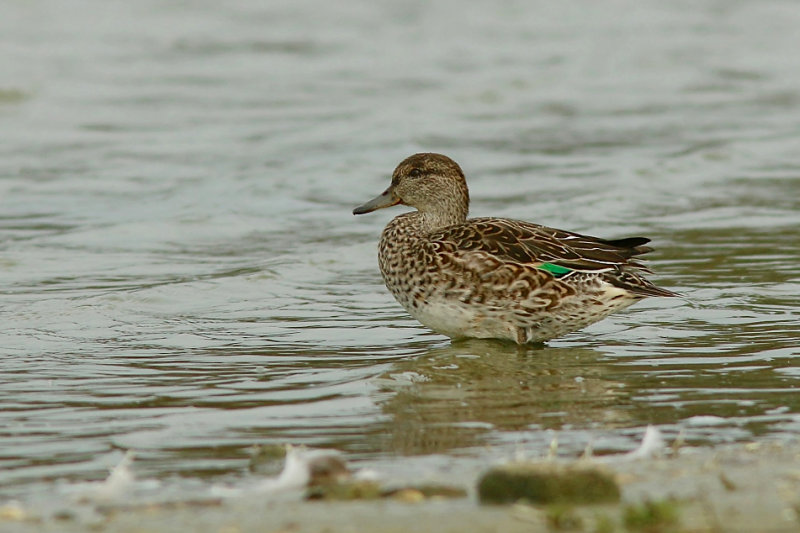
445 203
430 221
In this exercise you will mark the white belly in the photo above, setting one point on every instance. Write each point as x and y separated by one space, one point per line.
457 320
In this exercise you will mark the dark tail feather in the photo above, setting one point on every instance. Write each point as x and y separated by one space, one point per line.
652 290
630 246
638 285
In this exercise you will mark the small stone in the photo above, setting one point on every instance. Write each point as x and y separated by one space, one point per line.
12 511
351 490
64 515
726 482
408 495
427 492
328 469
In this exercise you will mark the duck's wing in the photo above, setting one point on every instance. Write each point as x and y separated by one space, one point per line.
557 251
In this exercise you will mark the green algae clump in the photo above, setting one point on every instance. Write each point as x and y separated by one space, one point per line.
546 483
651 516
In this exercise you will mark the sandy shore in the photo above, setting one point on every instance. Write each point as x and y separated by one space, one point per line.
748 488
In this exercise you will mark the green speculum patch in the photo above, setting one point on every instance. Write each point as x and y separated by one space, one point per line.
556 270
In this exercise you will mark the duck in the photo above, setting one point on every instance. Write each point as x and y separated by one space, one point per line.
496 278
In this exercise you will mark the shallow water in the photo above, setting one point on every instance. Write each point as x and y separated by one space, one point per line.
182 277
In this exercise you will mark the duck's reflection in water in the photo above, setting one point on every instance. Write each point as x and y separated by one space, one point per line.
458 396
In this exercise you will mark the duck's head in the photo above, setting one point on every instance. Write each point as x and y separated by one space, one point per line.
432 183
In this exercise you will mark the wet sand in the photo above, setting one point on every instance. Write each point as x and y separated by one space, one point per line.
745 487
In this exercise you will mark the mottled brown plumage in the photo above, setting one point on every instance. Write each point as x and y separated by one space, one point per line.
495 277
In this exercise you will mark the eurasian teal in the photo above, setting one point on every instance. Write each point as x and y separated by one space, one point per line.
496 277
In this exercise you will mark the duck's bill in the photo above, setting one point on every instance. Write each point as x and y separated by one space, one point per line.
387 199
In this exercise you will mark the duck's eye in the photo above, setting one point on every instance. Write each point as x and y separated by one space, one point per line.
415 173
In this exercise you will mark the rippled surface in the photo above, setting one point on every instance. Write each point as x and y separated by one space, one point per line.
182 277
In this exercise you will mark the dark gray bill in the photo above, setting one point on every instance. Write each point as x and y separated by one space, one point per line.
387 199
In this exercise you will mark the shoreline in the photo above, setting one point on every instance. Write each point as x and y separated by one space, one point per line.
742 487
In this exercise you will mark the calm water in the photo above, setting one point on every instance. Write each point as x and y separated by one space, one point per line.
181 275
